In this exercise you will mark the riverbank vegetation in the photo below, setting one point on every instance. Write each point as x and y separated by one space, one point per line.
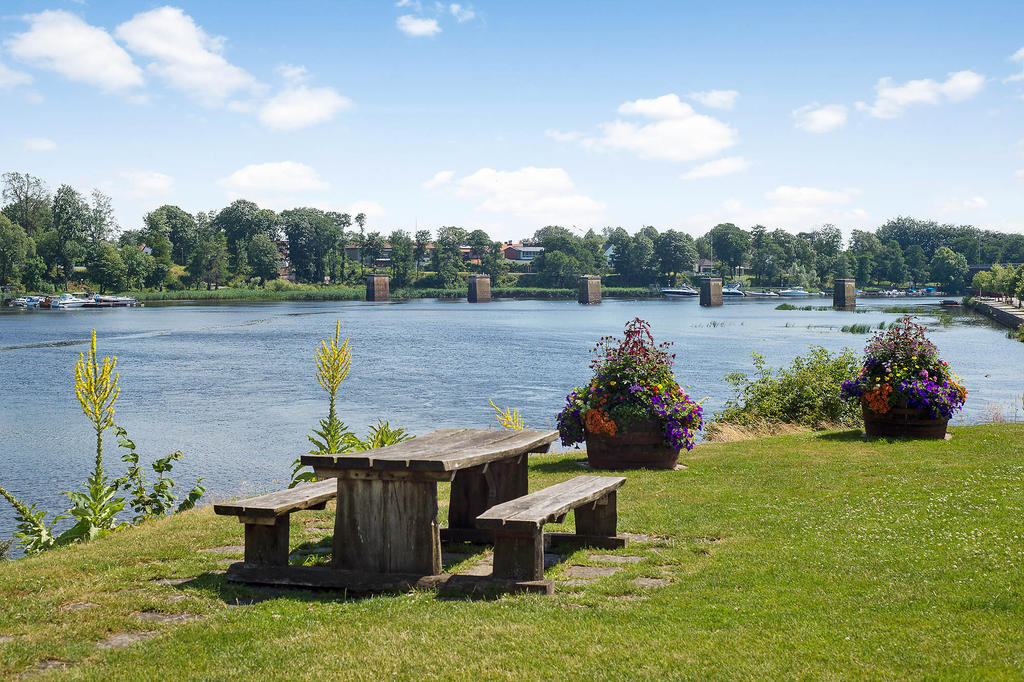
794 556
53 240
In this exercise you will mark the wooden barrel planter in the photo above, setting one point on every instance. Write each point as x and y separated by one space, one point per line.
903 422
642 447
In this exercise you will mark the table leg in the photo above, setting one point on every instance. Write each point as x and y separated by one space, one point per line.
477 489
387 526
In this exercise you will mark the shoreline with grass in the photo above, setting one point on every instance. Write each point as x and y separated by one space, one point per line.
793 556
301 292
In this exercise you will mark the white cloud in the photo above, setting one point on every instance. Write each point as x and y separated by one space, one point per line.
892 100
1018 57
184 55
302 106
716 99
569 136
440 178
417 26
39 144
1019 174
974 203
293 73
145 183
820 119
677 134
10 78
460 12
717 168
280 176
62 42
809 196
371 208
546 195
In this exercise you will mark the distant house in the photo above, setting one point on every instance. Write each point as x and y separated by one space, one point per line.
521 253
284 265
148 250
703 267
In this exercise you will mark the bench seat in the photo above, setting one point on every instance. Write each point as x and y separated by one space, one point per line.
518 525
266 518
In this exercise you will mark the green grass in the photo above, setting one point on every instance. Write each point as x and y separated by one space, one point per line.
856 328
808 556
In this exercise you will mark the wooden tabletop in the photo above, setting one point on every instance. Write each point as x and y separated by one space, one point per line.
441 450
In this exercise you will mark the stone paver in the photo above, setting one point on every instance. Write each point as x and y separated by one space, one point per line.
169 618
652 582
617 559
640 537
123 639
78 606
226 549
41 666
4 639
170 581
576 571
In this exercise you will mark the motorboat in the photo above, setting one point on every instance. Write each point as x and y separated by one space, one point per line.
71 300
794 292
26 302
732 290
760 294
683 291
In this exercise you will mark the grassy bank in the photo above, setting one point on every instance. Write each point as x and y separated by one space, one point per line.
807 556
341 293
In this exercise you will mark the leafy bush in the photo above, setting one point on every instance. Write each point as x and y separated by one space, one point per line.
805 393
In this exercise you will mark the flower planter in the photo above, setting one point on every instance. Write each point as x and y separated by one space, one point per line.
902 422
642 447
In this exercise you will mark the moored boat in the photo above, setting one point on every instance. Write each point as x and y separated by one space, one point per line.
680 292
732 290
794 292
761 294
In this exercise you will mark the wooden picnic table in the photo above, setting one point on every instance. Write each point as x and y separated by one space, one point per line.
387 497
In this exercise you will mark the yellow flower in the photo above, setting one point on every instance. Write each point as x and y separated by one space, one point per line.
612 383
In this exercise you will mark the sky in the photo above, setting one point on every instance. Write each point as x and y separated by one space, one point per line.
508 116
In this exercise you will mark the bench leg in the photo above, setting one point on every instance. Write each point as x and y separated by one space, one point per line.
519 555
267 545
599 518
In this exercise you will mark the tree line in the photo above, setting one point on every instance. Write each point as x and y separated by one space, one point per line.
48 239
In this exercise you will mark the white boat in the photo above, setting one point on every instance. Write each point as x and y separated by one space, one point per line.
760 294
680 292
794 292
26 302
732 290
115 301
72 301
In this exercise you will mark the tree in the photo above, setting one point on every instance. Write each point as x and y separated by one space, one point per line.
767 256
341 222
375 246
312 234
893 263
917 264
209 263
402 257
241 221
948 269
264 258
13 249
27 202
633 257
730 244
421 242
361 222
138 266
107 268
676 253
69 209
560 269
827 243
178 226
478 242
99 222
982 282
448 255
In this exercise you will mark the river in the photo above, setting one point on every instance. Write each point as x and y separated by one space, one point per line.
232 385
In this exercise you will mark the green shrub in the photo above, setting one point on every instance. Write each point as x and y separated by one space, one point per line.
805 393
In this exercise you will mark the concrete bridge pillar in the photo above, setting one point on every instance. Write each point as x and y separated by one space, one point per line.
844 294
711 291
378 288
590 289
479 288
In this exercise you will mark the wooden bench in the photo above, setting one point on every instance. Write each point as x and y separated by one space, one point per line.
266 518
518 525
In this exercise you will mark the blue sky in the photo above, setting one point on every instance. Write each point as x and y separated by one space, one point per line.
512 115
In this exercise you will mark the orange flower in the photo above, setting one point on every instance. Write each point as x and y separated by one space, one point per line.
877 399
599 422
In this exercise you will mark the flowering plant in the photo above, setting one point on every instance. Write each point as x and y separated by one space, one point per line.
632 384
902 369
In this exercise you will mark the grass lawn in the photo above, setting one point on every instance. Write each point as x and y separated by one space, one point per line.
814 555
